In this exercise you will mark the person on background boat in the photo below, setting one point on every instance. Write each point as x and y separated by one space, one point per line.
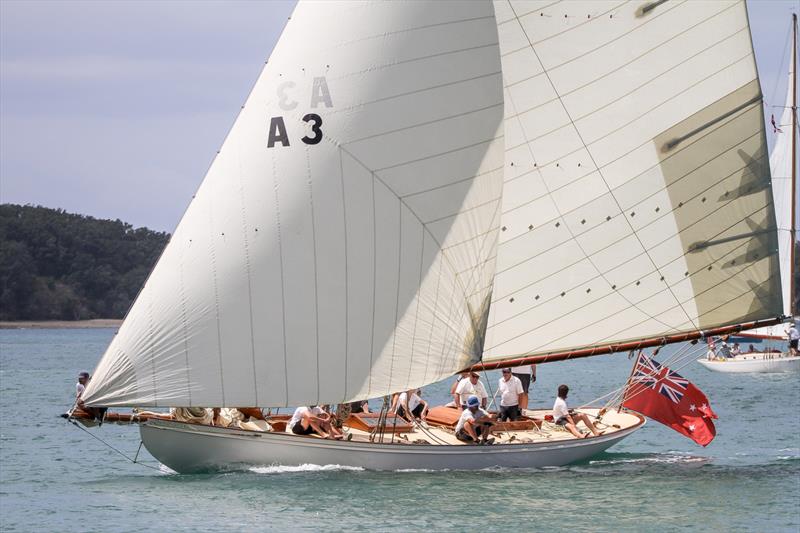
309 420
724 349
475 424
711 354
526 375
751 349
471 386
511 394
793 335
459 377
736 350
564 416
411 405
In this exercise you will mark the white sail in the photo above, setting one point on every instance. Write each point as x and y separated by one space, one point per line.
341 245
636 201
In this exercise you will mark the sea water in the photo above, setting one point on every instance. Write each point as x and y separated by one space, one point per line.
55 477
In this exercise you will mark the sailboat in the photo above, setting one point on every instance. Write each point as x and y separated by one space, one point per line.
783 164
420 188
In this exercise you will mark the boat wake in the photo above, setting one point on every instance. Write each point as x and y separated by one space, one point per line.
278 469
670 457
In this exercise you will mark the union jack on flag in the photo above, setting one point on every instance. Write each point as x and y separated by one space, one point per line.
654 376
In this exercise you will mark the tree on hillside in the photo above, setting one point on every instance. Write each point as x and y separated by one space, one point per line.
58 265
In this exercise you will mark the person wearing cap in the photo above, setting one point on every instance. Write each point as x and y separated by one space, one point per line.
471 386
80 387
475 424
511 392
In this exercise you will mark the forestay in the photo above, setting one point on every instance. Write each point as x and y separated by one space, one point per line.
637 198
342 244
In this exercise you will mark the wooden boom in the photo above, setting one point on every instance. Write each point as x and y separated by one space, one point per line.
623 347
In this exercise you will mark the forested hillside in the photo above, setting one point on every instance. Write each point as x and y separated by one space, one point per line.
60 266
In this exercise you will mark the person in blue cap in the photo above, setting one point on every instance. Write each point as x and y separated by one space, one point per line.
475 424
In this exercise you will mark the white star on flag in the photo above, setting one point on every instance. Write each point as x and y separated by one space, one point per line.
691 428
704 406
692 408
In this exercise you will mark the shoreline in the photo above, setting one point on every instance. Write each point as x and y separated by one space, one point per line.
61 324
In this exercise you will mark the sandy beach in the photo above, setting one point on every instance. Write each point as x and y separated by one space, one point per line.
62 324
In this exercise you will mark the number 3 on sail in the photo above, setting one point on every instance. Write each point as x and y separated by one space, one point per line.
277 131
320 93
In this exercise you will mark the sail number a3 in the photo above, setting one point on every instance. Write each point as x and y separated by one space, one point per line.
320 94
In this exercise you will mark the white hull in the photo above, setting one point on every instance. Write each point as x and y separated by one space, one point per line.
752 363
190 448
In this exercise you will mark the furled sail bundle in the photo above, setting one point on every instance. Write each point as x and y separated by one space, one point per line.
342 244
637 200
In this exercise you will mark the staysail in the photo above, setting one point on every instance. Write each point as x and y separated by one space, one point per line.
637 200
342 244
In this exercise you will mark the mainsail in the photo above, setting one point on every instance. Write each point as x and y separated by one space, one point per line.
342 244
637 201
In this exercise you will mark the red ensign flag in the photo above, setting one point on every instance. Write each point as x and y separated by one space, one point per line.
661 394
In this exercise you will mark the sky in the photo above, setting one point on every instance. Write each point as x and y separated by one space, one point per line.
116 109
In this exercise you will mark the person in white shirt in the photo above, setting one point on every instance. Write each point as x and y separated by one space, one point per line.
793 334
526 375
410 405
469 387
459 377
563 416
511 392
80 388
313 419
475 424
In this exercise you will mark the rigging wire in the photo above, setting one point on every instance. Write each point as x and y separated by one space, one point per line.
134 461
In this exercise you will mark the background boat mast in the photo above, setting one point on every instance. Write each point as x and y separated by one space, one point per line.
793 296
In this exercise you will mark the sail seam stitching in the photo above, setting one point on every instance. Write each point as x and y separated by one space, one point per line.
653 221
309 182
248 271
530 150
640 174
676 306
346 277
212 249
638 117
276 188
